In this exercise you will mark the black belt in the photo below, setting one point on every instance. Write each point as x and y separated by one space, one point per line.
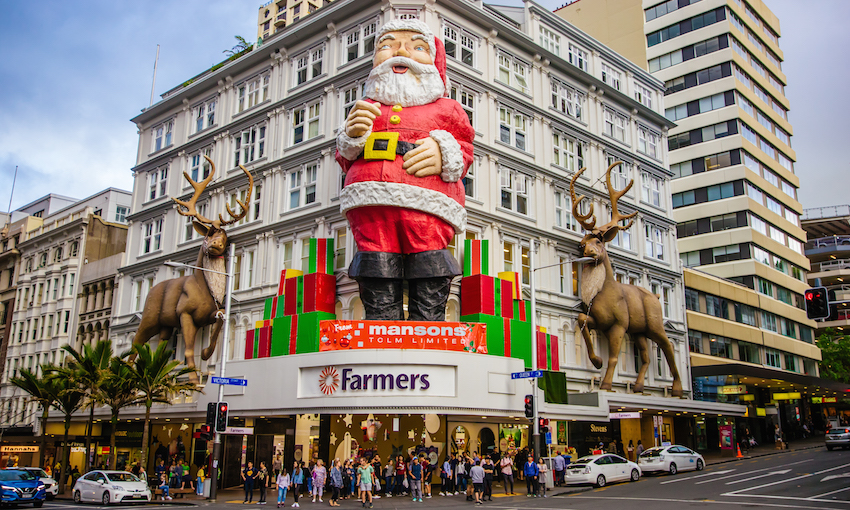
401 147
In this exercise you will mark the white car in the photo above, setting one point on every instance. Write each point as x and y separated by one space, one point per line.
111 487
600 469
50 485
671 459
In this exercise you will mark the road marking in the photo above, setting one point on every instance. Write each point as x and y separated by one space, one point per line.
723 472
736 504
786 480
786 498
829 493
832 477
748 472
784 471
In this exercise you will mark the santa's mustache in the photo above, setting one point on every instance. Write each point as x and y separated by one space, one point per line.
414 66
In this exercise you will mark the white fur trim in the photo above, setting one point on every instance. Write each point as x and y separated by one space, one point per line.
451 153
367 193
410 25
349 147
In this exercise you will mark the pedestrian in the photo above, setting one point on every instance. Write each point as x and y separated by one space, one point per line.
163 486
507 473
159 470
638 449
346 479
416 480
262 481
282 481
542 477
352 479
460 475
364 482
445 476
558 466
376 468
297 481
454 463
530 471
199 487
389 477
277 465
400 472
631 451
520 458
427 473
186 477
336 482
248 475
308 477
477 475
489 470
319 477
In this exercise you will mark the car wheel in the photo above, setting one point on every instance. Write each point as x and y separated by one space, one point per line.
673 468
700 465
635 475
105 498
49 496
828 447
600 481
78 498
38 504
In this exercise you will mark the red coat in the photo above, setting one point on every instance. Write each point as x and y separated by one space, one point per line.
384 182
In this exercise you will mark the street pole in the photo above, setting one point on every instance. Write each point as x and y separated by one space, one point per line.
535 434
221 372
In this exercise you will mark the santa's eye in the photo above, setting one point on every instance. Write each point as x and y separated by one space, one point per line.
384 47
420 48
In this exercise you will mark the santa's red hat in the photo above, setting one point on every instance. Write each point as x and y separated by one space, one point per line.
438 51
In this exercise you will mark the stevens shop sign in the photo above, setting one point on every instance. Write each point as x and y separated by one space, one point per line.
377 380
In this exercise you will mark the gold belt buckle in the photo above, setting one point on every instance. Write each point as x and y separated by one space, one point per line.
387 153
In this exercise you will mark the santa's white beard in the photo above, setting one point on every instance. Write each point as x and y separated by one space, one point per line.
420 85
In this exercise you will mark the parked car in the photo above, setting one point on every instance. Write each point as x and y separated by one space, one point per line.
672 459
837 437
51 488
600 469
19 486
111 487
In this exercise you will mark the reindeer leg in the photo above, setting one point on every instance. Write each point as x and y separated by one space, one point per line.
189 333
585 324
643 349
147 329
660 337
208 352
615 340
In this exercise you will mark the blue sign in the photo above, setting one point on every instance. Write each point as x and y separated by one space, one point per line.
527 375
229 380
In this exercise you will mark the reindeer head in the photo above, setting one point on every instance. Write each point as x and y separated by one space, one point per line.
593 243
215 238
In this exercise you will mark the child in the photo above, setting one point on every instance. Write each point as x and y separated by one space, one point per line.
163 486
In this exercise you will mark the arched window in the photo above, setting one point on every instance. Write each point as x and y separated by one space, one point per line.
75 248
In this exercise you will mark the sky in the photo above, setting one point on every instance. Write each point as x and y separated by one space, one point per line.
75 73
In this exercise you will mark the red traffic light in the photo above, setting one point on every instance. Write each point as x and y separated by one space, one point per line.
817 303
223 408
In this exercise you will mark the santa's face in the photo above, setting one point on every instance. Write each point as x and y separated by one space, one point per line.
403 71
402 43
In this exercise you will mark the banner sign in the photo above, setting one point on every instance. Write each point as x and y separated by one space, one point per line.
18 449
377 381
623 416
442 336
737 389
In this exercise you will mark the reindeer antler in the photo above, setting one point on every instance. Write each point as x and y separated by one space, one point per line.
616 217
582 218
190 204
243 205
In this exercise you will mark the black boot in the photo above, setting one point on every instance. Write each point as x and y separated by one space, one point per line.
429 277
379 276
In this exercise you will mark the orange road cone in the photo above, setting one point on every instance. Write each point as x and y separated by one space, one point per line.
739 452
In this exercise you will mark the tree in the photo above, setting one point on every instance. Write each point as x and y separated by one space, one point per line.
87 369
69 399
835 352
116 391
155 379
241 45
44 391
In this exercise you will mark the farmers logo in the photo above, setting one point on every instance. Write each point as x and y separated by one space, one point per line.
329 380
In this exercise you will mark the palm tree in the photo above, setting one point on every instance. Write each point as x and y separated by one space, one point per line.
87 368
154 377
41 390
116 391
241 45
69 399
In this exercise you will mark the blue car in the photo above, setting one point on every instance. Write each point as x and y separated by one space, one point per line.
19 486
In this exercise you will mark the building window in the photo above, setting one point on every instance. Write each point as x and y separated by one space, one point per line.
189 232
623 239
466 100
308 65
611 76
550 40
648 142
341 236
204 115
252 92
567 152
360 41
250 145
748 352
643 95
695 341
151 238
121 213
512 128
460 44
513 72
721 346
469 179
654 241
650 189
615 125
563 212
237 272
162 135
302 186
157 183
514 189
306 118
578 57
567 100
349 97
692 300
772 358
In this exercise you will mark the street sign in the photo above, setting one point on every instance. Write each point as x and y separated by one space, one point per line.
229 380
239 431
527 375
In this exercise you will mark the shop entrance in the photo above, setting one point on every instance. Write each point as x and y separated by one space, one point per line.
487 440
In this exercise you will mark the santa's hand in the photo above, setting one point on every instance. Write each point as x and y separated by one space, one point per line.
425 159
360 118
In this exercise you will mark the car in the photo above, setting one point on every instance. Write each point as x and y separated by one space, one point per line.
670 459
51 488
19 486
837 437
111 487
598 470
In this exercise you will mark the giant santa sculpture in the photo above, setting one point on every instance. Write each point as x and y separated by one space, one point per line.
404 150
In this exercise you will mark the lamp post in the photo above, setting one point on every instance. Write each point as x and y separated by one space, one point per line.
223 358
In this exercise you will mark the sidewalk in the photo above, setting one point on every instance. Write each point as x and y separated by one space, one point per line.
715 457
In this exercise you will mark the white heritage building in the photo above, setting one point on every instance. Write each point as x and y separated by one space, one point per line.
539 94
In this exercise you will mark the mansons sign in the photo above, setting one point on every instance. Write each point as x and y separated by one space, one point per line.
377 380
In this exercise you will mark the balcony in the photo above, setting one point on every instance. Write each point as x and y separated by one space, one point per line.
280 20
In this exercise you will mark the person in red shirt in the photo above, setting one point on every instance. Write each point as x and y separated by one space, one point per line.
400 473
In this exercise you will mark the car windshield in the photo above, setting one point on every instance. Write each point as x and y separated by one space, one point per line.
652 452
122 477
584 460
39 473
15 475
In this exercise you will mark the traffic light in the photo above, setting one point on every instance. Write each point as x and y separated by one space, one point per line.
221 418
544 423
817 303
206 432
211 408
529 406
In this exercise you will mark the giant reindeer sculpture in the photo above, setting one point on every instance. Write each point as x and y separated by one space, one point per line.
192 302
615 308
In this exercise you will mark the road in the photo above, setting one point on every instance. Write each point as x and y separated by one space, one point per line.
805 479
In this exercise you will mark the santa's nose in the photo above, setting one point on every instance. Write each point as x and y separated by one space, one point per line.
401 51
